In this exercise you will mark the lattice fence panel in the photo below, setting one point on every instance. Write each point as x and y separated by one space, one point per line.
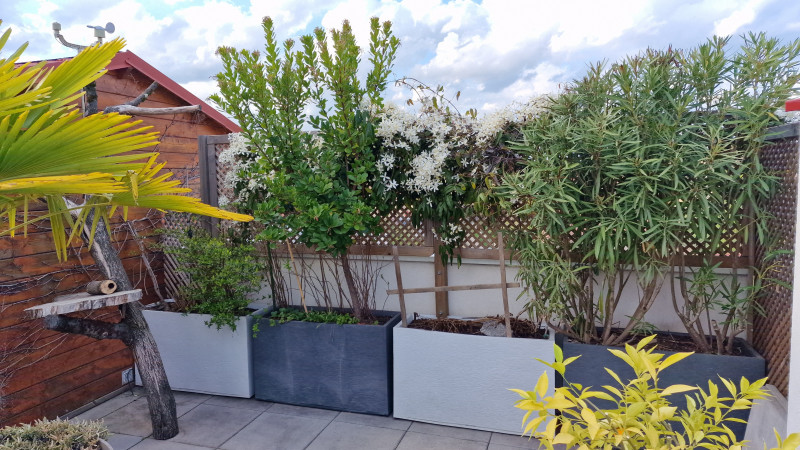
397 230
481 234
772 331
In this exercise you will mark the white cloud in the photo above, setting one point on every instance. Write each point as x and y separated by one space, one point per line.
202 89
493 51
741 16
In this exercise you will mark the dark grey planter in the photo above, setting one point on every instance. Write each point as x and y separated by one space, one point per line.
696 370
339 367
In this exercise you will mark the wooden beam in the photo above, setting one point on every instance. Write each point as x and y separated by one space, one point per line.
396 258
82 301
139 111
502 260
471 287
440 279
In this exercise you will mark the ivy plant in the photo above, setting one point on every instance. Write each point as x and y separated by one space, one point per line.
310 166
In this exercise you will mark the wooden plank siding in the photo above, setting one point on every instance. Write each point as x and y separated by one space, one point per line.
60 373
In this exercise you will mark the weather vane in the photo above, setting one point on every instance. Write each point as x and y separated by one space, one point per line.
99 33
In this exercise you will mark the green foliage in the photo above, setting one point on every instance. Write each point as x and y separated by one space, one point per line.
313 187
643 416
221 276
317 188
632 163
53 435
284 315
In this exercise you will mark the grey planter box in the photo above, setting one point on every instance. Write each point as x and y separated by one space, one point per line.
202 359
339 367
696 370
463 380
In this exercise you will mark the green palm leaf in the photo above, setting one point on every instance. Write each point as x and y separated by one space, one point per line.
48 149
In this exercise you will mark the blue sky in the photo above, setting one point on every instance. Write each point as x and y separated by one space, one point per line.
493 51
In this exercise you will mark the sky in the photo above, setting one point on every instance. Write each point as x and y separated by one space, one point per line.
494 52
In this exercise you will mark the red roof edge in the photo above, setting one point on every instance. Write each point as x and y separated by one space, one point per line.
793 105
127 59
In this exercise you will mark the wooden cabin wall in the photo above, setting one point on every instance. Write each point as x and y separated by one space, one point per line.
53 373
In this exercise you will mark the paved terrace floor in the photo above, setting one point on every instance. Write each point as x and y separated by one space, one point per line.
211 422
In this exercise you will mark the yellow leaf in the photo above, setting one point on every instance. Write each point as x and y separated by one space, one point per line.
677 389
533 425
550 429
672 359
542 384
564 438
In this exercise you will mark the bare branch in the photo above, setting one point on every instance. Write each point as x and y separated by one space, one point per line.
93 328
135 110
143 96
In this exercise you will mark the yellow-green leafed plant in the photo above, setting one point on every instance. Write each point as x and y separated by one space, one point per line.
643 417
48 149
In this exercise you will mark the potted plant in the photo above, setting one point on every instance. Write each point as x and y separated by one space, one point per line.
205 334
318 190
631 168
446 370
56 435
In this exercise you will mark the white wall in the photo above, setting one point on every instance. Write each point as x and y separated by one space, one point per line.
418 272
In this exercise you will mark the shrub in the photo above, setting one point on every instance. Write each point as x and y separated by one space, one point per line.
634 165
220 273
643 416
53 435
314 188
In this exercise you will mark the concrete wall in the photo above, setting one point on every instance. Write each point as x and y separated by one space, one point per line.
418 272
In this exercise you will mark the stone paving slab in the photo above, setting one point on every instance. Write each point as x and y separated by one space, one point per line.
226 423
417 441
212 425
123 441
277 431
350 436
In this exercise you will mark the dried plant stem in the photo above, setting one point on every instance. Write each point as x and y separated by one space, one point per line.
297 275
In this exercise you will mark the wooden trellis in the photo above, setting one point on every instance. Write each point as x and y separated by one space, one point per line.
771 334
503 285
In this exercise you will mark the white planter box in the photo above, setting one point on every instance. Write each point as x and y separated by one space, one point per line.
463 380
202 359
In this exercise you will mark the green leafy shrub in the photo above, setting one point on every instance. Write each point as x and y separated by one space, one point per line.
314 188
221 274
53 435
635 163
284 315
643 416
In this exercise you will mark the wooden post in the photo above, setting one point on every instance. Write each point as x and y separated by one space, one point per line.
401 297
133 330
209 193
439 271
502 258
440 279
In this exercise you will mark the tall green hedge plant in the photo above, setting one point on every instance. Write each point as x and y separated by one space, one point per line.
633 162
310 165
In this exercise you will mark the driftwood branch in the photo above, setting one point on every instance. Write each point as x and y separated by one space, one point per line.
93 328
136 110
143 96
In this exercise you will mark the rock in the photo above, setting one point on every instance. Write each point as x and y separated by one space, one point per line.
491 328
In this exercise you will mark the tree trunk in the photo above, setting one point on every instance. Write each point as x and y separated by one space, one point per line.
160 400
359 310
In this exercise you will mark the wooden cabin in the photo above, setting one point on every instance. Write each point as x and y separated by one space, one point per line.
48 374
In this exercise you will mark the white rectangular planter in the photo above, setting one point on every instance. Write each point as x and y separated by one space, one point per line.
463 380
202 359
